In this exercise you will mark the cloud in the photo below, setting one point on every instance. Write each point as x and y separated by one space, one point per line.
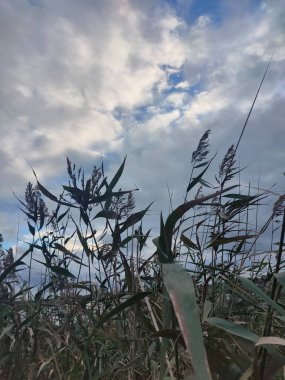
146 79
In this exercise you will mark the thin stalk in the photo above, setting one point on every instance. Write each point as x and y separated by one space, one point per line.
275 292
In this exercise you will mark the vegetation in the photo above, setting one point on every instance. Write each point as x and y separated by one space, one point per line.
207 304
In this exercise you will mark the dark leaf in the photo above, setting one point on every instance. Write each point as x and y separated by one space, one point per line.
133 219
197 179
31 229
117 176
60 217
118 309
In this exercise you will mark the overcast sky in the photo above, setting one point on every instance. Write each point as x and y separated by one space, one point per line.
91 78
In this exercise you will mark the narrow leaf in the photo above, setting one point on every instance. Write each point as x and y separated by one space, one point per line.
61 271
31 229
188 315
117 176
129 302
233 329
275 340
197 179
260 294
133 219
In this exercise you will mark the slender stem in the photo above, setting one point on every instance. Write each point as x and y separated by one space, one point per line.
274 295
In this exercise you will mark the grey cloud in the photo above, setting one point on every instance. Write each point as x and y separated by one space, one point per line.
74 72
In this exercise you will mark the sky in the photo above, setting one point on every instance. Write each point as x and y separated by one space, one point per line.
96 79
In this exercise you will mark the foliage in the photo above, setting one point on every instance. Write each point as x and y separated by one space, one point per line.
103 309
206 304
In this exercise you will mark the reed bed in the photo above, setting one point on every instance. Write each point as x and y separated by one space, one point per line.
208 303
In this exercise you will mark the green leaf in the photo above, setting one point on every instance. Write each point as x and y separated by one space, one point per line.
188 315
280 277
172 334
30 216
233 329
7 329
68 238
127 240
164 256
260 294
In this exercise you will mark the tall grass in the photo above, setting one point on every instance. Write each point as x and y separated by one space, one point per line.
207 304
105 310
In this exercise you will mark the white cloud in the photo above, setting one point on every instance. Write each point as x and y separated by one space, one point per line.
96 77
205 103
176 100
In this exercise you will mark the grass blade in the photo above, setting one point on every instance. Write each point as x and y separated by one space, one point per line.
188 316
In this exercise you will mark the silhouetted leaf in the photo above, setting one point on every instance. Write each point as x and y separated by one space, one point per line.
41 291
128 273
129 302
239 196
16 263
61 271
46 192
117 176
133 219
61 216
166 232
188 242
84 216
227 240
201 165
31 229
197 179
83 242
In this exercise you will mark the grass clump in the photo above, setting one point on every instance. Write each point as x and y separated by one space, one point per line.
103 310
208 303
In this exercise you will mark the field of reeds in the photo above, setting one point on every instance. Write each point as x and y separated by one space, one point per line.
206 303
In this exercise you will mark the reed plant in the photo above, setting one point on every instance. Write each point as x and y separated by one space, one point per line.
206 304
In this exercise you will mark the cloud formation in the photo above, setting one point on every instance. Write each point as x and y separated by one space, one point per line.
145 79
